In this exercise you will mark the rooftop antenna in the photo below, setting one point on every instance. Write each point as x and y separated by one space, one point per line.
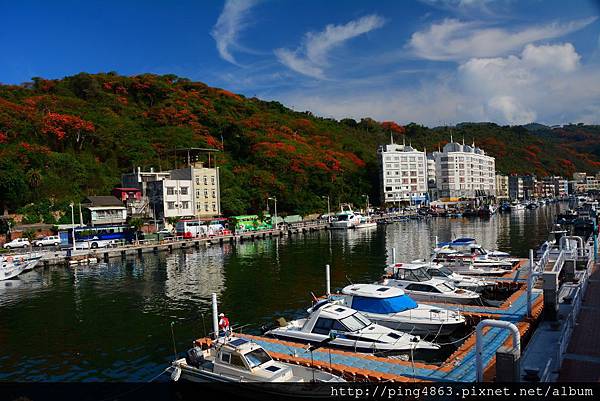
463 140
403 141
391 138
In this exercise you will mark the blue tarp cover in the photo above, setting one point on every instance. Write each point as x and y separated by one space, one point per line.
383 305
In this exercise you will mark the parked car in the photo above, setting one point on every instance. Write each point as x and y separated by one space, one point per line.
17 243
50 240
165 233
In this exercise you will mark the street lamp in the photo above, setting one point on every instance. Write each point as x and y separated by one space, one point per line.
275 200
328 208
73 225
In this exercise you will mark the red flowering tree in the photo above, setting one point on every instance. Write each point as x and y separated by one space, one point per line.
65 126
393 126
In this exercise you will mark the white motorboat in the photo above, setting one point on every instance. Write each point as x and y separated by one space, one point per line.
391 307
333 325
346 218
13 265
365 222
465 256
236 360
415 281
517 206
437 270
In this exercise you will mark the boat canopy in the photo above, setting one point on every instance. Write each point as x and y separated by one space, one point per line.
383 305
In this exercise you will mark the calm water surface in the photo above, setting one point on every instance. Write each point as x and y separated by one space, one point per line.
112 322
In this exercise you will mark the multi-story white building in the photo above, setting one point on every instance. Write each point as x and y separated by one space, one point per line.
192 191
205 187
464 171
403 174
171 198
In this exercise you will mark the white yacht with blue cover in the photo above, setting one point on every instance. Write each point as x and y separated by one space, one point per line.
391 307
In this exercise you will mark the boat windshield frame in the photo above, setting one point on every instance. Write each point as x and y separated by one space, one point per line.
417 275
257 355
364 322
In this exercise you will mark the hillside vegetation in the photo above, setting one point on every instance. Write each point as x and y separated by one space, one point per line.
63 139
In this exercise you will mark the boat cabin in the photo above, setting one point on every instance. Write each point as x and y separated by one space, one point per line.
410 272
327 317
373 298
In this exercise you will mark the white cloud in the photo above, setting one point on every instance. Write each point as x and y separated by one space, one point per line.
545 83
312 57
232 20
452 39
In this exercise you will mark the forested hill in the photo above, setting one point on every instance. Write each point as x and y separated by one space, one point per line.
62 139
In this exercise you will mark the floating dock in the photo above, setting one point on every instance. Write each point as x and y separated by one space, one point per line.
528 311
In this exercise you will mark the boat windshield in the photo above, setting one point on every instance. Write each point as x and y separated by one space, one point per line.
355 322
343 217
413 274
445 287
257 357
383 305
445 271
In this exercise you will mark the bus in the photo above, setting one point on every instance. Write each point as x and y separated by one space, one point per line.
195 228
251 223
96 237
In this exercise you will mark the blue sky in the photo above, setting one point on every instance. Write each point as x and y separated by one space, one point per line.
430 61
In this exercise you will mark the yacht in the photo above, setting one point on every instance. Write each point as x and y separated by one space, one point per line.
365 222
517 206
235 360
13 265
346 218
466 255
333 325
437 270
391 307
416 282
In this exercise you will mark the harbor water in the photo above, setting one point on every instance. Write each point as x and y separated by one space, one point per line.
112 321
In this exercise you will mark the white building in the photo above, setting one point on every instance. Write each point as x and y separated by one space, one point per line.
171 198
205 187
192 191
403 174
464 171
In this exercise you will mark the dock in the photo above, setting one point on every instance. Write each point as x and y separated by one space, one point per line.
545 314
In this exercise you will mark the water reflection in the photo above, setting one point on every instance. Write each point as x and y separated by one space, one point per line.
112 321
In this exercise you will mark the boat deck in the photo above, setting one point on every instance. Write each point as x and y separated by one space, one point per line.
582 360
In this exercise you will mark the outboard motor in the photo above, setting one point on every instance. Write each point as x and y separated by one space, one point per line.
194 357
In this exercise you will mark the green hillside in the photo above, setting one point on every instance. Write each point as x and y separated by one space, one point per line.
63 139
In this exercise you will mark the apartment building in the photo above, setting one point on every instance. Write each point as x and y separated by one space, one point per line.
464 171
403 174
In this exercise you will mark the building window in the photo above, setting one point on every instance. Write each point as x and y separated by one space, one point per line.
185 205
170 191
212 180
214 207
170 205
206 208
205 180
197 180
184 190
213 193
206 193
